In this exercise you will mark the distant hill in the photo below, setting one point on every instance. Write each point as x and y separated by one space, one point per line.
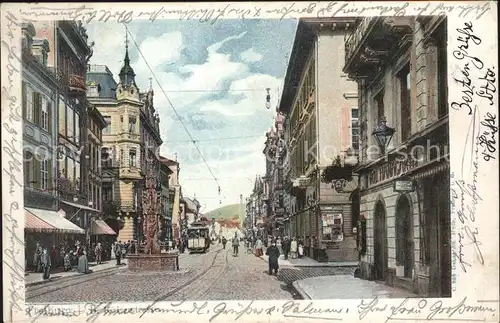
227 212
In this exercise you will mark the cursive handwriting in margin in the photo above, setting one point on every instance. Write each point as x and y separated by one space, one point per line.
217 311
12 158
412 309
290 10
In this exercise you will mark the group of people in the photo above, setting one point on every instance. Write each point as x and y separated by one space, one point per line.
67 259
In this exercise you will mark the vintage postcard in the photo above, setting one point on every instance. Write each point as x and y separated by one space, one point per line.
250 161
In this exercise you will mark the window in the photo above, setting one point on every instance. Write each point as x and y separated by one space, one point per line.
45 113
44 174
70 175
105 157
121 157
77 174
62 117
29 104
77 128
132 158
107 128
405 101
70 126
131 124
355 129
379 103
107 193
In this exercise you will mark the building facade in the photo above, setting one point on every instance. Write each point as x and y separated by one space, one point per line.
317 101
40 127
175 194
401 70
131 142
166 200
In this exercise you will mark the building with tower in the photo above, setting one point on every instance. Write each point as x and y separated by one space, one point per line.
131 142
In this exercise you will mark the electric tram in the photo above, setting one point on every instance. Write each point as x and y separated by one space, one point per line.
198 237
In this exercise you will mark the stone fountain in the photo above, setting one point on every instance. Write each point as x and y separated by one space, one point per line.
152 259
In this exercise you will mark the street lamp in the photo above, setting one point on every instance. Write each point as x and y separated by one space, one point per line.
383 134
268 99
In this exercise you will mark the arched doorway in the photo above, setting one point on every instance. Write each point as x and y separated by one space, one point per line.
404 235
380 239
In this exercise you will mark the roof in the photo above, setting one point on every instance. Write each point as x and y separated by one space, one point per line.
168 161
101 75
191 205
305 37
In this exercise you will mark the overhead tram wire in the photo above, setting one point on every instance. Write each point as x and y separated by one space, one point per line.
218 138
175 111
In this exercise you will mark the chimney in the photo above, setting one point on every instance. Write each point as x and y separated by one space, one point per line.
241 198
41 50
28 32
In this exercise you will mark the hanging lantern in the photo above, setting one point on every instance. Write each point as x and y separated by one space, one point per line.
268 99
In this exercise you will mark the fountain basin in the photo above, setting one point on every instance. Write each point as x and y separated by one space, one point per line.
153 262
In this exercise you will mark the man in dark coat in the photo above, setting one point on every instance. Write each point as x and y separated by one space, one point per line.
273 253
286 247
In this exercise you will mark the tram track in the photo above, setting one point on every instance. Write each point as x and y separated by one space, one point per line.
66 283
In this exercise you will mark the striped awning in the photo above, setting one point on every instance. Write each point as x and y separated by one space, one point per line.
34 224
53 218
99 227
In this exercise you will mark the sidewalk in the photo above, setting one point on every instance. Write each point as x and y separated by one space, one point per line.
308 262
32 278
345 287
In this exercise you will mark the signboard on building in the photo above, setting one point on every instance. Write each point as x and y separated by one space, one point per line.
280 211
404 185
331 219
394 168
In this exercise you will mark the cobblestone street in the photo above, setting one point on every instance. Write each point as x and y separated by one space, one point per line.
216 275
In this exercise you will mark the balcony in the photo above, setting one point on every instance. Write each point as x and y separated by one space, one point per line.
372 41
76 84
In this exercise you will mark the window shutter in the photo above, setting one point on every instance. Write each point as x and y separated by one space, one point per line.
36 171
50 177
49 115
36 108
25 99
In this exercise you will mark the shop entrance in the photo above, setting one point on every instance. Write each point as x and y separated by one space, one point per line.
380 239
404 236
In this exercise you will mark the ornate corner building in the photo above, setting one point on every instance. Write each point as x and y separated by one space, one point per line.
400 66
131 141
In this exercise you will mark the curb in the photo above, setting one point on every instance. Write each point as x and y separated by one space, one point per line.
64 278
316 266
300 291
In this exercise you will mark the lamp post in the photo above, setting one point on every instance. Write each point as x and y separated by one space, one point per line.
383 134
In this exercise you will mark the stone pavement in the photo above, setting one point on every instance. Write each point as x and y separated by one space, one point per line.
308 262
32 279
345 287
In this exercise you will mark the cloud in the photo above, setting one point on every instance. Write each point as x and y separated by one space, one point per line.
218 96
251 56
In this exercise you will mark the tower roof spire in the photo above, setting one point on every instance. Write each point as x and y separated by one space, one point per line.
127 74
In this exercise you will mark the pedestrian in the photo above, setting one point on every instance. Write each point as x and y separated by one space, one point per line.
286 247
45 263
293 248
224 241
258 248
37 258
300 250
273 253
83 263
118 253
98 253
236 244
279 245
67 262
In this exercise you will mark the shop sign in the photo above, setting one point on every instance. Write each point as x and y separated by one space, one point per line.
394 168
280 211
404 185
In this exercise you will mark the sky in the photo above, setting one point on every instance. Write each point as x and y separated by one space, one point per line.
215 77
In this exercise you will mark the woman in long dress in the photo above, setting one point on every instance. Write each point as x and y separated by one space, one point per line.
293 248
83 264
258 248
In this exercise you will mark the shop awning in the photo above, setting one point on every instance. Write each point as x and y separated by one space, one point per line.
56 220
34 224
79 206
99 227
